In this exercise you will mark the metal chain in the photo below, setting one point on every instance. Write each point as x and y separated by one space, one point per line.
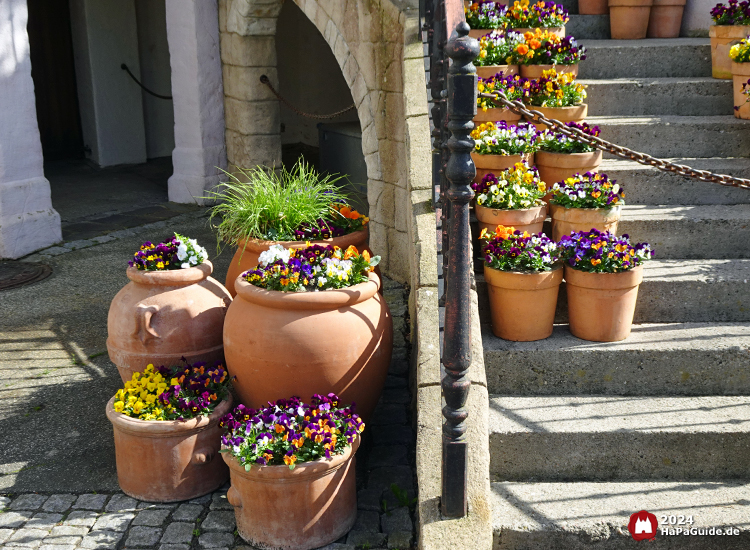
264 80
623 152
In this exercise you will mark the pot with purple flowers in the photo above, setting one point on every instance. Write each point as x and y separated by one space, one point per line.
560 157
602 275
499 146
485 16
542 51
585 201
731 24
556 96
489 111
494 50
292 468
525 17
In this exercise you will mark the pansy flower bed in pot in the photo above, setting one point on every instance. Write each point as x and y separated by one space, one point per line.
585 201
167 434
560 157
740 56
293 471
499 146
542 50
262 207
524 16
731 24
557 96
170 309
485 16
494 51
602 274
512 197
309 319
523 277
487 109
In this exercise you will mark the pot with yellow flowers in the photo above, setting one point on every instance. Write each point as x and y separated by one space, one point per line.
585 201
542 50
494 51
167 434
500 145
524 17
731 23
560 157
485 16
740 55
557 96
487 109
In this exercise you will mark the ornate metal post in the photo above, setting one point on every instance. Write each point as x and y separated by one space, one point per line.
462 107
436 85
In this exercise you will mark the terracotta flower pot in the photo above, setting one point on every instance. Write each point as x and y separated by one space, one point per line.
493 114
567 220
495 164
247 253
522 305
665 19
593 7
308 507
489 71
555 167
479 33
558 31
523 219
628 19
576 113
161 316
723 37
535 71
601 305
280 344
740 75
169 460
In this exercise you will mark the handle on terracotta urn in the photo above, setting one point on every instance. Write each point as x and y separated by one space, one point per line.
143 323
234 497
203 456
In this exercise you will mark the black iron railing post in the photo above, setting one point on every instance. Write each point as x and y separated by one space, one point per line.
462 107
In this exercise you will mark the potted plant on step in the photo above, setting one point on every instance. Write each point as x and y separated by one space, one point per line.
740 55
542 51
262 207
494 50
167 434
170 309
665 19
524 17
485 16
499 146
512 197
560 157
513 86
585 201
309 319
523 279
602 274
731 24
628 19
593 7
557 96
292 470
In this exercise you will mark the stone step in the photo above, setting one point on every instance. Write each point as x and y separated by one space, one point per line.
647 185
656 359
647 58
606 438
674 136
588 27
577 516
687 96
676 291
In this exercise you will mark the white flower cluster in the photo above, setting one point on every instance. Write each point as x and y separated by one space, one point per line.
274 252
337 269
189 252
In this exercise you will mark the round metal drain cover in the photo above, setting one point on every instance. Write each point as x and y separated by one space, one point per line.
16 274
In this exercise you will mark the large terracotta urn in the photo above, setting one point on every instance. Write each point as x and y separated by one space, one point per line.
308 507
248 251
159 317
494 164
556 167
740 75
535 71
567 220
169 460
523 219
723 37
280 344
574 113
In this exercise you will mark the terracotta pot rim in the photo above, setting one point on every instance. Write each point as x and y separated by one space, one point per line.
568 109
259 245
325 299
741 69
713 29
482 161
557 268
669 2
554 205
171 277
165 428
630 3
300 474
493 66
540 207
579 156
611 281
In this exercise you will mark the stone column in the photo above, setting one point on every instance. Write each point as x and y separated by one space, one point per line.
198 97
27 220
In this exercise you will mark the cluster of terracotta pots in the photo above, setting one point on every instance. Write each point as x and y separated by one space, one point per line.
636 19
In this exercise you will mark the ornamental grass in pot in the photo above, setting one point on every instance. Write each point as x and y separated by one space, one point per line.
170 309
585 200
293 471
512 197
557 96
560 157
261 207
542 50
740 56
499 146
731 24
167 434
523 277
602 275
524 17
490 111
485 16
494 50
309 319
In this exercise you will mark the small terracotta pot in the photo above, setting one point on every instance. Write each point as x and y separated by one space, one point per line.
486 164
567 220
308 507
601 305
170 460
247 253
489 71
740 75
558 31
628 19
280 344
161 316
493 114
522 305
593 7
535 71
723 37
576 113
665 19
555 167
523 219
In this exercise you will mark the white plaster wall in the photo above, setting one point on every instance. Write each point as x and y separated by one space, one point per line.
696 19
156 75
104 36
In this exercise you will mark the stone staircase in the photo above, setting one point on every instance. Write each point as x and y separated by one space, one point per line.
583 434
